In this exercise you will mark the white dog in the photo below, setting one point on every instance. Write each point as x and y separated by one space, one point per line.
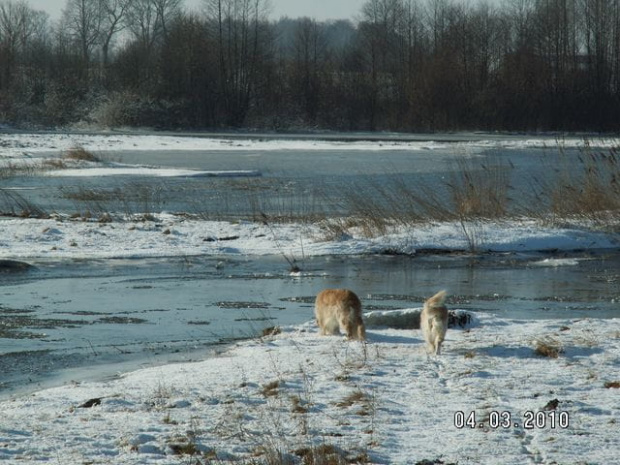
340 308
434 321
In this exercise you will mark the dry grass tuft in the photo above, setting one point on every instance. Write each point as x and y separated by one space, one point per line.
587 338
271 389
358 398
298 405
479 191
14 204
80 154
324 454
591 191
269 455
612 384
548 347
271 331
187 448
434 462
353 398
54 164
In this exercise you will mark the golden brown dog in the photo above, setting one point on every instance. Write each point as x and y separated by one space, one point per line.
340 308
434 321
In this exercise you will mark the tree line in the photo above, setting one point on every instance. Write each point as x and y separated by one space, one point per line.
402 65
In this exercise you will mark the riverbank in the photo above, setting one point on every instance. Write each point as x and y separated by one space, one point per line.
527 391
168 235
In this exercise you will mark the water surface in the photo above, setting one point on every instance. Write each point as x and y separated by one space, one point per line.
90 318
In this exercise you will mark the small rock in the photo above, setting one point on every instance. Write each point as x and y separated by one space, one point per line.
552 404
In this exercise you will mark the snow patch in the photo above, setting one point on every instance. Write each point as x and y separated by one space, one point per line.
155 172
379 399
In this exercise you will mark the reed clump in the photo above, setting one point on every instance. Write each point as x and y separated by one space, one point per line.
79 153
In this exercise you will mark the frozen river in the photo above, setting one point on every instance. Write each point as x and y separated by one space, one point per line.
71 319
292 177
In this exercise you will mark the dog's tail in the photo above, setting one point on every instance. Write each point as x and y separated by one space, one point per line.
437 301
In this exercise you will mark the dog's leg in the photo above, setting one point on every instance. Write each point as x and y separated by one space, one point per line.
348 331
439 342
349 322
430 335
356 328
361 331
343 321
321 325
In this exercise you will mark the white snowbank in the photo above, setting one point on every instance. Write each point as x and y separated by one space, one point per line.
174 235
149 171
19 144
385 402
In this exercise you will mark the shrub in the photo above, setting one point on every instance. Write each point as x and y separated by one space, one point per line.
548 347
80 154
119 109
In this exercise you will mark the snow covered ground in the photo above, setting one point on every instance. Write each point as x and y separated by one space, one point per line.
61 237
172 235
488 399
385 402
16 145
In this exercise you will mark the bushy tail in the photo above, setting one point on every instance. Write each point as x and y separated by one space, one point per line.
437 300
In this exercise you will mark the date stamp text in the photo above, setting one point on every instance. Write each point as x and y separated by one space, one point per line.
552 419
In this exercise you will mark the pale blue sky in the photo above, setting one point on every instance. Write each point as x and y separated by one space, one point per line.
319 9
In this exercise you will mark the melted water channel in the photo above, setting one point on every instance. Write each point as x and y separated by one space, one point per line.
84 319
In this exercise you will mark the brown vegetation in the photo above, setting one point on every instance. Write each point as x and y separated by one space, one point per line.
79 154
548 347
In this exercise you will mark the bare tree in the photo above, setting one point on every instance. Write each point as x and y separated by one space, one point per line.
113 22
143 23
556 39
242 38
519 15
310 49
598 29
19 26
379 32
148 19
166 11
403 65
437 12
82 21
189 74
